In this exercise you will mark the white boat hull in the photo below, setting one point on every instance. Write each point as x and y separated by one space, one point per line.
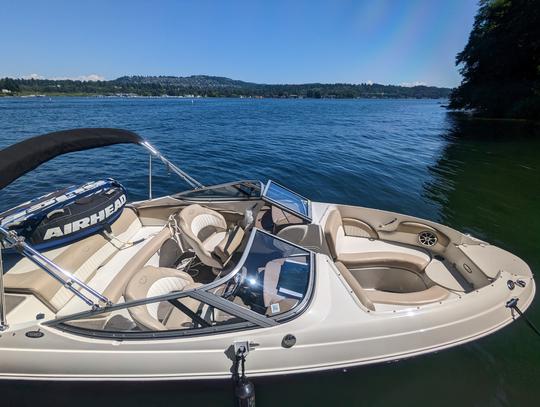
333 333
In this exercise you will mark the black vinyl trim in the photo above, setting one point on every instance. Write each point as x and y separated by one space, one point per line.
178 333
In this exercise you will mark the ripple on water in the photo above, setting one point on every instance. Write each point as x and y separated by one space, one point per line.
407 156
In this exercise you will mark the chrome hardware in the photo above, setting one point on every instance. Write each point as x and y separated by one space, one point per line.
64 277
388 223
170 166
241 347
150 176
3 322
512 284
521 283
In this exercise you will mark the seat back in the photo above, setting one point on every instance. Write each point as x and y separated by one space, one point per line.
273 301
333 230
116 287
81 258
154 281
203 229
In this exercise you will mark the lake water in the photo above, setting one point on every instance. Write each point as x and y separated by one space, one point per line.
409 156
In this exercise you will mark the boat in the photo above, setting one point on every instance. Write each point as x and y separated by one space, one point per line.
196 284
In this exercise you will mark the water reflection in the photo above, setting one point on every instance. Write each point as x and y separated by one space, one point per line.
486 182
477 176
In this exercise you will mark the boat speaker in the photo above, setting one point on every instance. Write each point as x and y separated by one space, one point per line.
427 238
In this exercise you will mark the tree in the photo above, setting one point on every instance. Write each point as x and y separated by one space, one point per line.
9 84
500 64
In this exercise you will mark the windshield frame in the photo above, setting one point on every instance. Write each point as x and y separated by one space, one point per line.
306 217
253 319
182 195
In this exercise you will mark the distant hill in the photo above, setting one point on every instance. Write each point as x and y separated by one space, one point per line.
212 86
201 81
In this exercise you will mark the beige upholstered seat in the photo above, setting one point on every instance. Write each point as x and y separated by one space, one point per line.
355 251
117 286
82 258
273 301
369 297
272 271
154 281
355 286
206 232
115 289
411 261
427 296
280 218
360 253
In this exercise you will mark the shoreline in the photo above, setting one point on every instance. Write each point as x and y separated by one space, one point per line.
119 96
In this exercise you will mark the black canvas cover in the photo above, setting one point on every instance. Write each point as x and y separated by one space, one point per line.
20 158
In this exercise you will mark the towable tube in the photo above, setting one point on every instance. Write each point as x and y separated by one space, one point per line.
67 215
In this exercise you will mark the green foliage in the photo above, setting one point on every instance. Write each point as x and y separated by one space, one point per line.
501 61
213 86
9 84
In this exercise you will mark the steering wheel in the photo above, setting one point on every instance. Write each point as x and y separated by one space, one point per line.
234 284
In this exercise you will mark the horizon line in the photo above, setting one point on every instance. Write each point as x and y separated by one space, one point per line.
98 78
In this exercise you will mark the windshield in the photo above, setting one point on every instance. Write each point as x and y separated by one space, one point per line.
287 199
273 279
228 191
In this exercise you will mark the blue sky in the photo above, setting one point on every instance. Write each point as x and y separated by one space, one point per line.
382 41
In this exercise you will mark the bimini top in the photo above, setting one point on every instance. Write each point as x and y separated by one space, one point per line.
20 158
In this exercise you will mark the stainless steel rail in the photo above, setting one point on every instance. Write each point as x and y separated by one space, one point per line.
3 321
185 176
150 176
68 280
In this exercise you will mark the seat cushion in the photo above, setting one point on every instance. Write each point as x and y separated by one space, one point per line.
365 249
213 240
272 271
117 286
176 319
432 294
384 259
333 230
81 258
203 229
355 286
151 281
362 252
114 274
155 281
369 297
